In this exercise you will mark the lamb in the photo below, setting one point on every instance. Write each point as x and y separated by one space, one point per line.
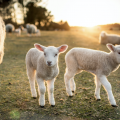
42 62
105 38
2 38
100 63
32 29
10 28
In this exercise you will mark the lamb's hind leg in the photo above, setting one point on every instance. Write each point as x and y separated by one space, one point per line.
67 77
71 70
31 77
97 89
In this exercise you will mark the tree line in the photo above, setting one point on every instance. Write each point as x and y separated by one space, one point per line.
29 11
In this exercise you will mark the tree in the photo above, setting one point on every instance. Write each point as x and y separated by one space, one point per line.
38 14
6 8
25 2
5 3
59 26
65 26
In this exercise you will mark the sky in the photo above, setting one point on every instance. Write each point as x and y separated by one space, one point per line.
86 13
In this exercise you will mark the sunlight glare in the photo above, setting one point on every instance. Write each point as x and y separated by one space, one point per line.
86 13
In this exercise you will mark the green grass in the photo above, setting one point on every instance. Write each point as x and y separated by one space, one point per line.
15 96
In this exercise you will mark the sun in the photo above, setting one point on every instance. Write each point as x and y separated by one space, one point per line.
87 13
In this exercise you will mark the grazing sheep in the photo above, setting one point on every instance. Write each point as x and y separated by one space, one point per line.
31 29
10 28
105 38
43 62
100 63
2 38
18 31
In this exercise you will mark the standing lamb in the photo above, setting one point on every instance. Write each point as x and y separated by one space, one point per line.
2 38
42 62
10 28
105 38
100 63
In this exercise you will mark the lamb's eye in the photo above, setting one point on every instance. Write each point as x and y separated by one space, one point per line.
44 54
118 52
55 54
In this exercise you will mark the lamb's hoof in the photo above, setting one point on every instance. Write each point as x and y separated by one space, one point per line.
70 96
34 97
41 106
114 105
98 99
52 105
73 91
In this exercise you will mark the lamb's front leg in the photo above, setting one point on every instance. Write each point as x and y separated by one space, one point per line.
41 91
50 88
72 84
108 89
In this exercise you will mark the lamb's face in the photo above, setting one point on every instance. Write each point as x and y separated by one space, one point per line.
117 53
115 50
51 53
51 56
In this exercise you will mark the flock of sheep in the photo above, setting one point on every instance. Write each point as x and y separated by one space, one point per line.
42 64
30 29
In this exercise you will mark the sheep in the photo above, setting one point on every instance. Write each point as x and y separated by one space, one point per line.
18 31
105 38
99 63
2 38
43 62
10 28
32 29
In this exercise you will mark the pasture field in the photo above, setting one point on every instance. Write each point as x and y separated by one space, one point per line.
16 102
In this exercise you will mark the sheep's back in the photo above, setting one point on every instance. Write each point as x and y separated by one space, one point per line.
89 60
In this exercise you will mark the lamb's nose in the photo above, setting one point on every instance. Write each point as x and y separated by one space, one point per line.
49 62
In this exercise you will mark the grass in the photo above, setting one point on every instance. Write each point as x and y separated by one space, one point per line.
15 96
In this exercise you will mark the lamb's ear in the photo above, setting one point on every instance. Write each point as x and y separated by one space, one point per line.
62 48
39 47
111 47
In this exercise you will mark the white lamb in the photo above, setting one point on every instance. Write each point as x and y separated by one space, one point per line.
42 63
32 29
10 28
100 63
2 38
105 38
